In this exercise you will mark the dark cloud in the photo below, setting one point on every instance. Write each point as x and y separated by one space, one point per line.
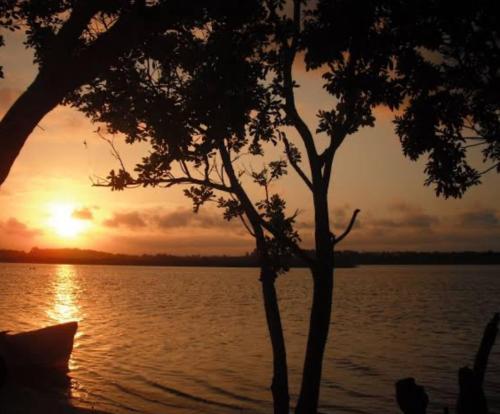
178 218
385 223
14 227
421 220
84 213
339 217
417 220
404 207
187 218
445 239
479 218
405 215
181 218
131 220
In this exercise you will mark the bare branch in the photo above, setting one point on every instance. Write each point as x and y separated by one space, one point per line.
490 168
246 225
114 151
184 167
477 144
348 229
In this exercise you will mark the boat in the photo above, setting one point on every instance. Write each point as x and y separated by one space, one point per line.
42 349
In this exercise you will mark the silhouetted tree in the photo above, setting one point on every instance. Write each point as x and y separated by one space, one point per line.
450 79
206 98
192 95
74 41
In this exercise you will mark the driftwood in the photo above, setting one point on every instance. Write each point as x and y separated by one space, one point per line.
412 398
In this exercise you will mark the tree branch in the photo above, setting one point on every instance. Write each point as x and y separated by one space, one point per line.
288 57
169 182
490 168
295 165
256 220
348 229
477 144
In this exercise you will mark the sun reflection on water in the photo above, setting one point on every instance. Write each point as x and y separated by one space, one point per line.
64 307
65 304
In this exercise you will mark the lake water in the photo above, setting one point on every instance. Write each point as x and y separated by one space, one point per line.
194 340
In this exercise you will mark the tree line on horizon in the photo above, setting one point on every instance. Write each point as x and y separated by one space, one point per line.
343 258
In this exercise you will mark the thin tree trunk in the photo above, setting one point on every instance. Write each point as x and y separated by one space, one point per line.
319 323
279 385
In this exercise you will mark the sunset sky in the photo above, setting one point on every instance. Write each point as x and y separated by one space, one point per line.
48 199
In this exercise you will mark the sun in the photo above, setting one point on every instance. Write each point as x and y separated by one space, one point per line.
63 222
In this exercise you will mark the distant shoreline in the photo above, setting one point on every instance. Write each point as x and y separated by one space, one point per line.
343 259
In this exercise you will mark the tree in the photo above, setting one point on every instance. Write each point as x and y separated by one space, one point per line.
450 84
74 41
206 98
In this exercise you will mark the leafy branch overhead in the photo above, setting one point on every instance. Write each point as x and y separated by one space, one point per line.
228 82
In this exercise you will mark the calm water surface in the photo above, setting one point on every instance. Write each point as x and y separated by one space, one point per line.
194 340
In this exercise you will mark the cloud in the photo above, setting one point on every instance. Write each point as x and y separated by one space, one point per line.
408 227
406 215
84 213
131 220
178 218
158 219
415 220
445 237
339 219
479 218
404 207
184 217
14 227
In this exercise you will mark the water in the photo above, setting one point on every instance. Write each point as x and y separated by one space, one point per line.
194 340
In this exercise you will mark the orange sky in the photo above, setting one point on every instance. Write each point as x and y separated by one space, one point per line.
48 199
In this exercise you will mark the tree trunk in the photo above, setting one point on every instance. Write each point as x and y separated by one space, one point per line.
319 324
318 334
40 98
279 385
